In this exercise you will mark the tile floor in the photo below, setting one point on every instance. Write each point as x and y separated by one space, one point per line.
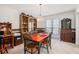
58 47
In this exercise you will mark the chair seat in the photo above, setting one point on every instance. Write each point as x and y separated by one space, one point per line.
3 46
45 43
31 46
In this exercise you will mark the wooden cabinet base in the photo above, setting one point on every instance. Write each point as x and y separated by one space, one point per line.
68 35
18 42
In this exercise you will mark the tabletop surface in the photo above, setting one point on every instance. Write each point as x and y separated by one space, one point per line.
39 36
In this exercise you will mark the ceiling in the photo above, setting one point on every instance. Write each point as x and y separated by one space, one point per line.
46 9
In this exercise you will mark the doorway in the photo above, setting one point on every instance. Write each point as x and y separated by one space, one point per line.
56 28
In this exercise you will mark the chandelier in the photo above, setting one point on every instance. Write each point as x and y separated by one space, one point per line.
40 8
40 15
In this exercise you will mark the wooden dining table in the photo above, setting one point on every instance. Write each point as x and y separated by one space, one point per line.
39 38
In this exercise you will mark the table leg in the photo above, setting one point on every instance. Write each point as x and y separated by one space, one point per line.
39 46
24 46
12 41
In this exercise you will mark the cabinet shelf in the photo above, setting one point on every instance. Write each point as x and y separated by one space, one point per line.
25 20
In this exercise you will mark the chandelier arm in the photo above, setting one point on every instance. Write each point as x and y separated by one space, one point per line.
40 9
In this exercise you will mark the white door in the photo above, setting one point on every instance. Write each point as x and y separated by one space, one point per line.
56 27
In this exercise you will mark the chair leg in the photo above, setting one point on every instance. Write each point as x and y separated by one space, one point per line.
31 51
6 50
47 49
24 51
50 45
39 46
1 52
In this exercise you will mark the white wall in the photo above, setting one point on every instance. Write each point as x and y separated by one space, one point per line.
77 25
9 15
12 15
41 23
77 29
60 16
46 9
68 14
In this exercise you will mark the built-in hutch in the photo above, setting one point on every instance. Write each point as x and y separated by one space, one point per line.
27 23
67 32
6 33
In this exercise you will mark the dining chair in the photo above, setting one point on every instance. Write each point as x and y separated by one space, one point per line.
3 46
0 44
29 45
50 37
40 30
47 42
